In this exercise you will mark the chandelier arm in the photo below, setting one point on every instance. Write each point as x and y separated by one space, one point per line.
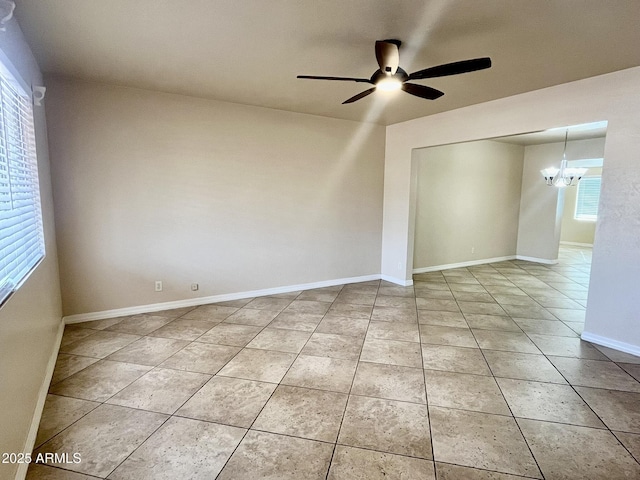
563 176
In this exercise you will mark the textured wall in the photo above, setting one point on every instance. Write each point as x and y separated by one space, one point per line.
467 202
151 186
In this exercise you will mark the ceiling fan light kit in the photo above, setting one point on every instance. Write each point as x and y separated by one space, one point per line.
389 84
390 77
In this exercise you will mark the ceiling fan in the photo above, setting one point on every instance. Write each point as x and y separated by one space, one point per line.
391 77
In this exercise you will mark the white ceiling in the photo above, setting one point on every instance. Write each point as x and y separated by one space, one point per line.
250 51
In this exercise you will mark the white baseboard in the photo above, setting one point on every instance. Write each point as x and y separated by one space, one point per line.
546 261
397 281
42 398
194 302
609 342
471 263
577 244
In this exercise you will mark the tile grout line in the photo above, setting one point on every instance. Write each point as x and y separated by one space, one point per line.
572 387
514 417
498 386
353 379
133 381
426 393
507 403
169 416
278 385
600 418
101 403
265 403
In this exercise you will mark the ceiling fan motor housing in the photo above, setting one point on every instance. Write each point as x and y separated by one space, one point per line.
388 55
399 74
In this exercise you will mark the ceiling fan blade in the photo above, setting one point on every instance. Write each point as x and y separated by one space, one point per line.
357 97
422 91
342 79
388 56
454 68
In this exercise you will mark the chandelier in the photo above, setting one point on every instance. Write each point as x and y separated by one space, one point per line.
563 176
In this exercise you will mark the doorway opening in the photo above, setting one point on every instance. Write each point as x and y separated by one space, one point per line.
483 207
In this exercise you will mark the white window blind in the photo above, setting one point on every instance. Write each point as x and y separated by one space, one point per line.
587 198
21 236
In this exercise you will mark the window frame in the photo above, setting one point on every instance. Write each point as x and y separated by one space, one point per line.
586 217
15 81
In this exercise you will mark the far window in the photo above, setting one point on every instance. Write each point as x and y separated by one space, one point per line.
587 198
21 236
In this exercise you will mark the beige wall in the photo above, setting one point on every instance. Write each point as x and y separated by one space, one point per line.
29 321
613 305
577 231
468 199
543 211
540 206
151 186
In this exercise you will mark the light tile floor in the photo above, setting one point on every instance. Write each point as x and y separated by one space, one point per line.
472 373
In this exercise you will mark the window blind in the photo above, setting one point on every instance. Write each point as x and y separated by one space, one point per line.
587 198
21 235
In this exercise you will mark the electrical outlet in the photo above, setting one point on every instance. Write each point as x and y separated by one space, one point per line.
194 287
158 285
473 249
